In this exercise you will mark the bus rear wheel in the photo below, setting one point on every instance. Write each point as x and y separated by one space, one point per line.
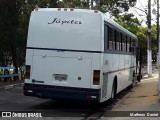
133 80
113 93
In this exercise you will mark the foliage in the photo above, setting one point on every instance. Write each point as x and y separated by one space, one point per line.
129 22
15 14
133 25
9 12
114 7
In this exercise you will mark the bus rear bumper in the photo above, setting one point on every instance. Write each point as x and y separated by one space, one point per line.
61 93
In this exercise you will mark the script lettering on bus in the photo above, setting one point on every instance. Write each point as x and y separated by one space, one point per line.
62 22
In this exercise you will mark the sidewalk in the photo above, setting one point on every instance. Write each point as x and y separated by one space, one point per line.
143 97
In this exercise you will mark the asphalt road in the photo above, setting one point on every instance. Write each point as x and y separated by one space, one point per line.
12 99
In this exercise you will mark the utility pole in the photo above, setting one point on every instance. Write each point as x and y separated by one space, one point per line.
91 4
158 45
157 23
149 52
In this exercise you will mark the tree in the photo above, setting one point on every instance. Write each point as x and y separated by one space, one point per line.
133 25
9 12
114 7
15 16
129 22
154 43
142 38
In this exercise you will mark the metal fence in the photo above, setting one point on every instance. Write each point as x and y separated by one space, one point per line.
8 72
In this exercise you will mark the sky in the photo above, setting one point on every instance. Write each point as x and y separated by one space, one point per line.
141 6
139 11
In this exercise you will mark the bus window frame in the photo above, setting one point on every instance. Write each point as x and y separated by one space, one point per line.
123 42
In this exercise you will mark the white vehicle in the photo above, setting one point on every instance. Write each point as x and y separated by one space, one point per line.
75 54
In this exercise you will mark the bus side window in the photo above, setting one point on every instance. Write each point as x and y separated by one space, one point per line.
110 38
128 44
105 36
133 45
121 43
124 42
117 40
132 49
114 39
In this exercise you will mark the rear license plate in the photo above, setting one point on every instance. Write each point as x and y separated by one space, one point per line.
60 77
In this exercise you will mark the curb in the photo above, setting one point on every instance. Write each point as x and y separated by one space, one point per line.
11 86
154 76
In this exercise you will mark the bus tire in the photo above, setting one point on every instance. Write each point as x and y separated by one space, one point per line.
113 93
133 80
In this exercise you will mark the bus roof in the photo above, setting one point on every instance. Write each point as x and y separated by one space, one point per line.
106 19
68 9
116 25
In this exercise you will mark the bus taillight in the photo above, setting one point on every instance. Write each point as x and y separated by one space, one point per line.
96 77
27 73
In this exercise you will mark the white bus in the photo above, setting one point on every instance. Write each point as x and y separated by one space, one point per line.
75 54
